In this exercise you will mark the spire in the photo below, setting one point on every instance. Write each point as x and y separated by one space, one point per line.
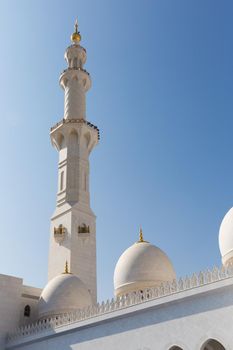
66 271
141 238
76 25
76 37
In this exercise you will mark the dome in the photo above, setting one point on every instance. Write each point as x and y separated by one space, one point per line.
76 37
64 293
141 266
226 238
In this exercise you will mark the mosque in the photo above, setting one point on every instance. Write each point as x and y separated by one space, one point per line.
151 309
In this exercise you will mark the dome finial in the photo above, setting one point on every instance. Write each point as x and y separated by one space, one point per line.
141 238
66 267
76 37
76 26
141 235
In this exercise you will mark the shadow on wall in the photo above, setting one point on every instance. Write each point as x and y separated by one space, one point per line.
212 344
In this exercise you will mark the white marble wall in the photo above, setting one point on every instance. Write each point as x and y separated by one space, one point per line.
185 318
29 296
10 291
14 296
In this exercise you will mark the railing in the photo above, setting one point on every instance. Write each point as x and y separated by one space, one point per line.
130 299
75 68
81 121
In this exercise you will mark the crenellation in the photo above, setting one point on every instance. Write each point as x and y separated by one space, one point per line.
125 301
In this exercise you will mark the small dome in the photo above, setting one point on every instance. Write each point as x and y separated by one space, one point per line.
141 266
64 293
226 238
75 37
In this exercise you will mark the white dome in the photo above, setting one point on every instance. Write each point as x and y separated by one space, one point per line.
141 266
64 293
226 238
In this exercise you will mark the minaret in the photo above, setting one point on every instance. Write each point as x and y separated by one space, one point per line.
73 228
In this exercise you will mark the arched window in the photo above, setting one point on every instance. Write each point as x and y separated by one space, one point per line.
73 141
175 348
27 311
61 180
212 344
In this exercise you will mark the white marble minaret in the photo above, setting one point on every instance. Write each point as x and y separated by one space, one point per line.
73 229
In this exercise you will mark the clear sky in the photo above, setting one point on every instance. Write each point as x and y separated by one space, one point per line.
162 97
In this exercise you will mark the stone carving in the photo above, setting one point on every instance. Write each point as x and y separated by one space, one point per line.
124 301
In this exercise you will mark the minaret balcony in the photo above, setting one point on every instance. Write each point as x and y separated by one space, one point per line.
75 68
75 73
65 125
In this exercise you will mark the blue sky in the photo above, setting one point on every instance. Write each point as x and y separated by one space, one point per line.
162 98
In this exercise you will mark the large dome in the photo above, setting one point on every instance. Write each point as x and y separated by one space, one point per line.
226 238
64 293
141 266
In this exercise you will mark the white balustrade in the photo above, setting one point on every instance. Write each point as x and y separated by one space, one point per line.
133 298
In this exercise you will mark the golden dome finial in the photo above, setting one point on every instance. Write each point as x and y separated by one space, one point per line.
76 37
141 239
66 267
76 26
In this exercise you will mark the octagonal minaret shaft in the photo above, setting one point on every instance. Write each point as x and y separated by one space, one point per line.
73 223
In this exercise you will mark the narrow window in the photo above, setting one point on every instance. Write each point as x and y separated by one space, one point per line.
27 311
61 180
85 182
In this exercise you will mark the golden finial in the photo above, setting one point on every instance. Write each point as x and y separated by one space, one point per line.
76 25
66 267
76 37
141 238
141 235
